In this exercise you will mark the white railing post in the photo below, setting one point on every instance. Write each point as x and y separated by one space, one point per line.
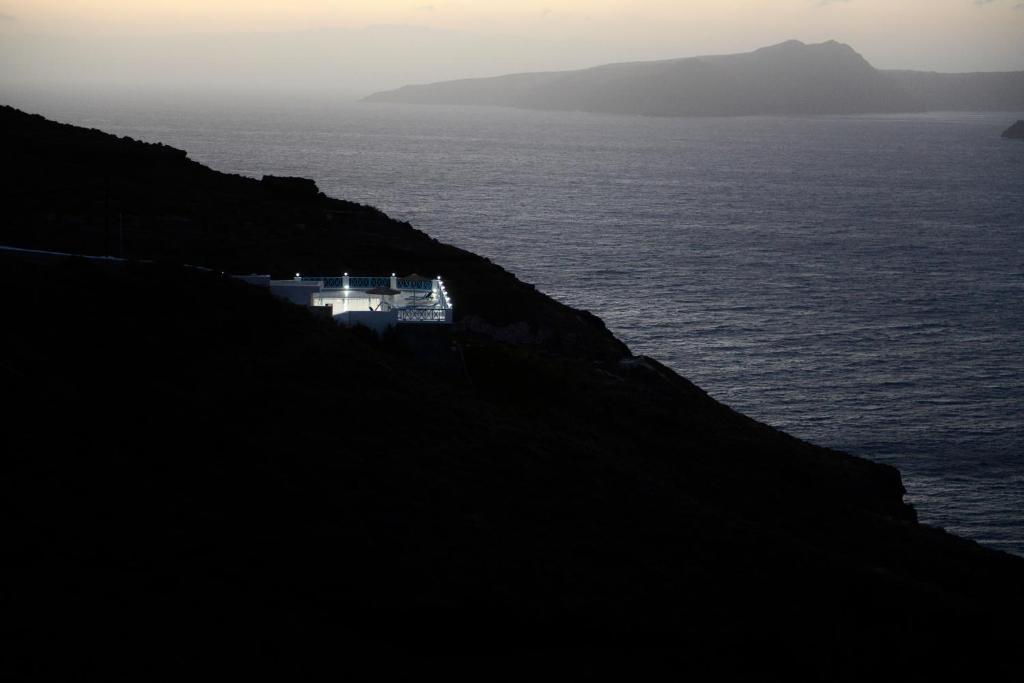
394 281
445 302
344 280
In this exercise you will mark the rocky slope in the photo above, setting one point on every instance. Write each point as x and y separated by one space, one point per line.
789 78
196 472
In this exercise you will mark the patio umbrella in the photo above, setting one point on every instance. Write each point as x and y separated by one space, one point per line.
384 291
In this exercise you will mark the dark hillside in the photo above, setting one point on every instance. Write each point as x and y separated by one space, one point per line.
193 470
84 191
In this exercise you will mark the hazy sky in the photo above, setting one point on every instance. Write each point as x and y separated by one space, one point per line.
362 45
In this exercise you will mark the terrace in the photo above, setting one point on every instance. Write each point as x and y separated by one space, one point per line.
374 302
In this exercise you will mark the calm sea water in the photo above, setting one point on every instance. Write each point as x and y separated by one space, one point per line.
855 281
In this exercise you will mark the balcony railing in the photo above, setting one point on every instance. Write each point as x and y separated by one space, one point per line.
416 285
371 282
424 315
433 307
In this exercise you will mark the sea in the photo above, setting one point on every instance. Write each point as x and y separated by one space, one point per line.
856 281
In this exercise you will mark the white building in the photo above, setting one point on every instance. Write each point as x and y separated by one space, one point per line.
374 302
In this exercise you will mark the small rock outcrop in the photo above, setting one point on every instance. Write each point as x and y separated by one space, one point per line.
291 188
1016 131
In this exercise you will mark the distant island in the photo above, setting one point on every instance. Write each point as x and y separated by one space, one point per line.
792 78
1016 131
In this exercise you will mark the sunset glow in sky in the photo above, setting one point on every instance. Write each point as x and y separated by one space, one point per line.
893 17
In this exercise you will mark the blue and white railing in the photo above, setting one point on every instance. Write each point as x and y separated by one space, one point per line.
434 306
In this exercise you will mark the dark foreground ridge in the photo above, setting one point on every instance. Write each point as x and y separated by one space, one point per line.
196 472
1015 132
785 79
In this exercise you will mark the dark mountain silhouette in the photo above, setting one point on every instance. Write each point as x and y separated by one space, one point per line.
789 78
196 473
